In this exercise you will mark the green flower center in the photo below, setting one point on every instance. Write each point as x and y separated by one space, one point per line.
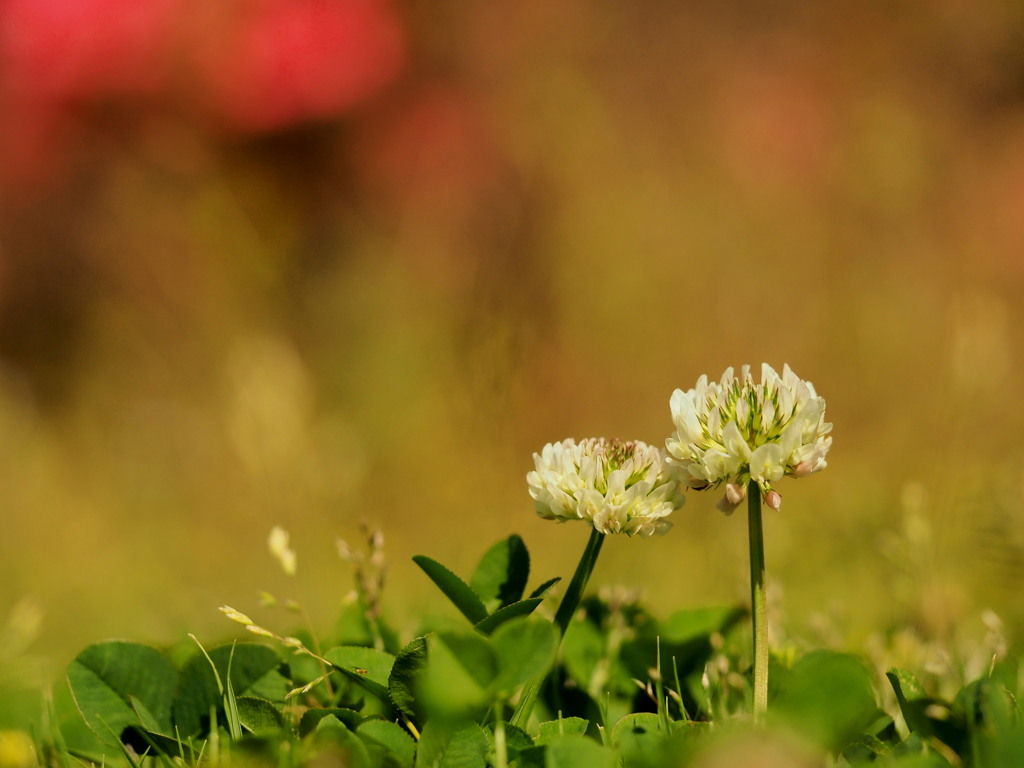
754 431
618 452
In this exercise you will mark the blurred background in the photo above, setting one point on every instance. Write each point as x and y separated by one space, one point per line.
316 262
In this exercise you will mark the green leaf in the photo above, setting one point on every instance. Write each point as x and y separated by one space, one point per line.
905 685
865 748
259 716
516 740
369 667
311 718
525 649
456 590
564 726
543 588
926 716
641 739
583 648
634 726
445 746
986 706
829 697
460 670
502 573
989 713
106 677
532 757
646 739
147 719
1004 748
500 616
575 751
332 733
254 672
392 738
405 674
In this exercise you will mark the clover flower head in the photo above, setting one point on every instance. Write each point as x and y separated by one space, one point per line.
736 430
617 486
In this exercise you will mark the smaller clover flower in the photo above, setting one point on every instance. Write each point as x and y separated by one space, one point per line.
618 486
737 430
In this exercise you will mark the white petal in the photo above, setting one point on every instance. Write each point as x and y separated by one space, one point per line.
743 411
734 442
720 466
767 463
715 423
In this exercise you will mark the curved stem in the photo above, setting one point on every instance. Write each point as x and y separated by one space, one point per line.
573 595
563 616
758 601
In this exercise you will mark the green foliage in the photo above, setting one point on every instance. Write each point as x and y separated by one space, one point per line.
367 667
255 670
621 687
454 588
405 672
259 716
524 650
982 725
495 592
398 745
501 576
563 726
829 697
311 718
447 745
575 751
522 608
119 684
466 672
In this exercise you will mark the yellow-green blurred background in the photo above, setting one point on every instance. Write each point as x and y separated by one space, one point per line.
539 223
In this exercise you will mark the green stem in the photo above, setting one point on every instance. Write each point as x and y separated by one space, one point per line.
563 616
574 594
758 601
500 746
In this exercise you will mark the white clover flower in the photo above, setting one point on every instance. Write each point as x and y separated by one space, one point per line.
736 430
617 486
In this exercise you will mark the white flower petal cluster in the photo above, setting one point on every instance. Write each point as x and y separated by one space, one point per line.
737 430
617 486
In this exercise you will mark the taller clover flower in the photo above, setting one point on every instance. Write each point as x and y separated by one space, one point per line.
618 487
736 431
748 435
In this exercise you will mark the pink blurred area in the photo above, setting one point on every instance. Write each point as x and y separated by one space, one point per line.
246 65
305 262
